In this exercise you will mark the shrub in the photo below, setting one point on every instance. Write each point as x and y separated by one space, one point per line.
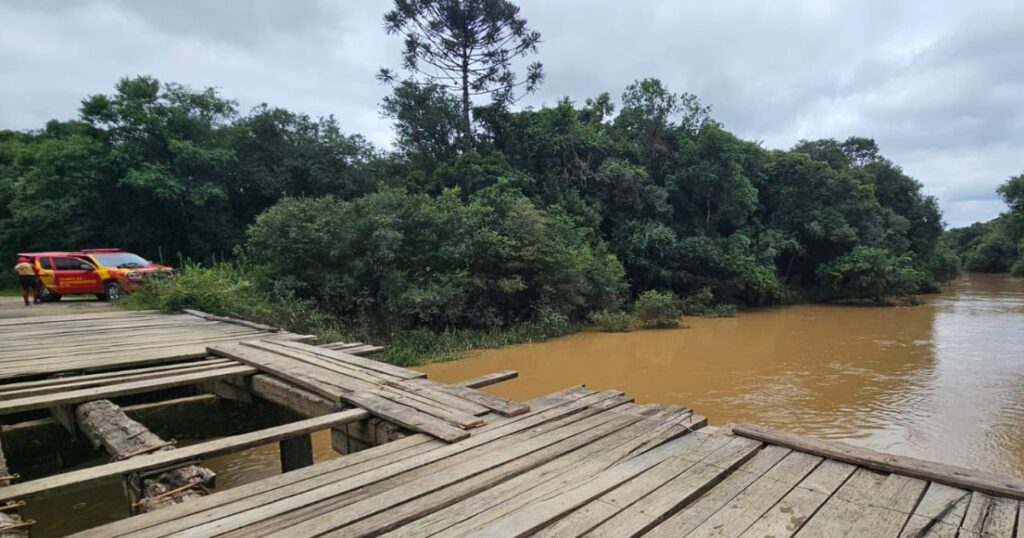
871 274
657 310
615 321
395 261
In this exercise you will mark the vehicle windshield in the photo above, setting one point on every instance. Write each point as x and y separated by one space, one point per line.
121 259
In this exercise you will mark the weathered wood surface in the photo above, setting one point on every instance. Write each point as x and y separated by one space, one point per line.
106 426
582 463
45 345
999 485
397 395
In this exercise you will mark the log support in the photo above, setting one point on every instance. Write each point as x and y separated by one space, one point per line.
296 452
11 523
237 390
106 425
65 415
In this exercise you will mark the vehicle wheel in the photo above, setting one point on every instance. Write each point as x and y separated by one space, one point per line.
114 291
47 296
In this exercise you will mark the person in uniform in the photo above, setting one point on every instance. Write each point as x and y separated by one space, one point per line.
27 278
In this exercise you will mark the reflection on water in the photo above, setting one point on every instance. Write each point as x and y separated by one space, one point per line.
943 381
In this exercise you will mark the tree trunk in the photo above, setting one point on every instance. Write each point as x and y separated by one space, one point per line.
467 133
106 425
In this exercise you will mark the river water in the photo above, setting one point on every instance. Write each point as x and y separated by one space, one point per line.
943 381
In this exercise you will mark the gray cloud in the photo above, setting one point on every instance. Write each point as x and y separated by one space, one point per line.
938 84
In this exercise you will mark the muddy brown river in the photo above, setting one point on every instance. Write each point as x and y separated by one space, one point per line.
943 381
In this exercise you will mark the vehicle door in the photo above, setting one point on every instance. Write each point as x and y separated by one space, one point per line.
44 268
73 276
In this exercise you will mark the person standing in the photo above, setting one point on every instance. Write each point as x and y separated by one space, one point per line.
27 278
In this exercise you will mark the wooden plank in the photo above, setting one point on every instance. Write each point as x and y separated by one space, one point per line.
276 487
939 513
527 449
502 406
692 515
74 383
989 516
759 497
951 475
787 516
369 364
681 490
488 379
89 476
868 504
120 389
615 501
442 397
469 515
536 516
318 362
7 387
402 415
225 319
608 436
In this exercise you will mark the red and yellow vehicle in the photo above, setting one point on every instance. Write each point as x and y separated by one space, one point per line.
106 273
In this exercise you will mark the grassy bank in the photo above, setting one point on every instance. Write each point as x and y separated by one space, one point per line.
228 290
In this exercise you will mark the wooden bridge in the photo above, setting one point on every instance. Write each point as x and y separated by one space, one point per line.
423 458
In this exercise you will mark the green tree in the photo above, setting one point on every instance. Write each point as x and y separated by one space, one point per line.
467 46
870 273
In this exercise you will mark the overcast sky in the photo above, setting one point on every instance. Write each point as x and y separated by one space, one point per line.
939 85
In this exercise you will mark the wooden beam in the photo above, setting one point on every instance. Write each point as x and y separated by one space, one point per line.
83 478
489 379
296 452
224 319
64 414
949 475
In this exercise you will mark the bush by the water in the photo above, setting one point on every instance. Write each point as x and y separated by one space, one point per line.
616 321
657 310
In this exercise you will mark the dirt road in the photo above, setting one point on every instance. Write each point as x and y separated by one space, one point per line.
12 307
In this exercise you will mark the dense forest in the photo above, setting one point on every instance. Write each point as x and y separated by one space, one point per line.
996 246
481 215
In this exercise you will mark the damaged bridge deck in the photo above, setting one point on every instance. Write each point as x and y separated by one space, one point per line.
424 458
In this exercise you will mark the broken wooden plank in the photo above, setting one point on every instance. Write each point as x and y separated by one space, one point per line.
951 475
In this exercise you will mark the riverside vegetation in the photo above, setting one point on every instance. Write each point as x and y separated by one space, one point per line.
484 224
